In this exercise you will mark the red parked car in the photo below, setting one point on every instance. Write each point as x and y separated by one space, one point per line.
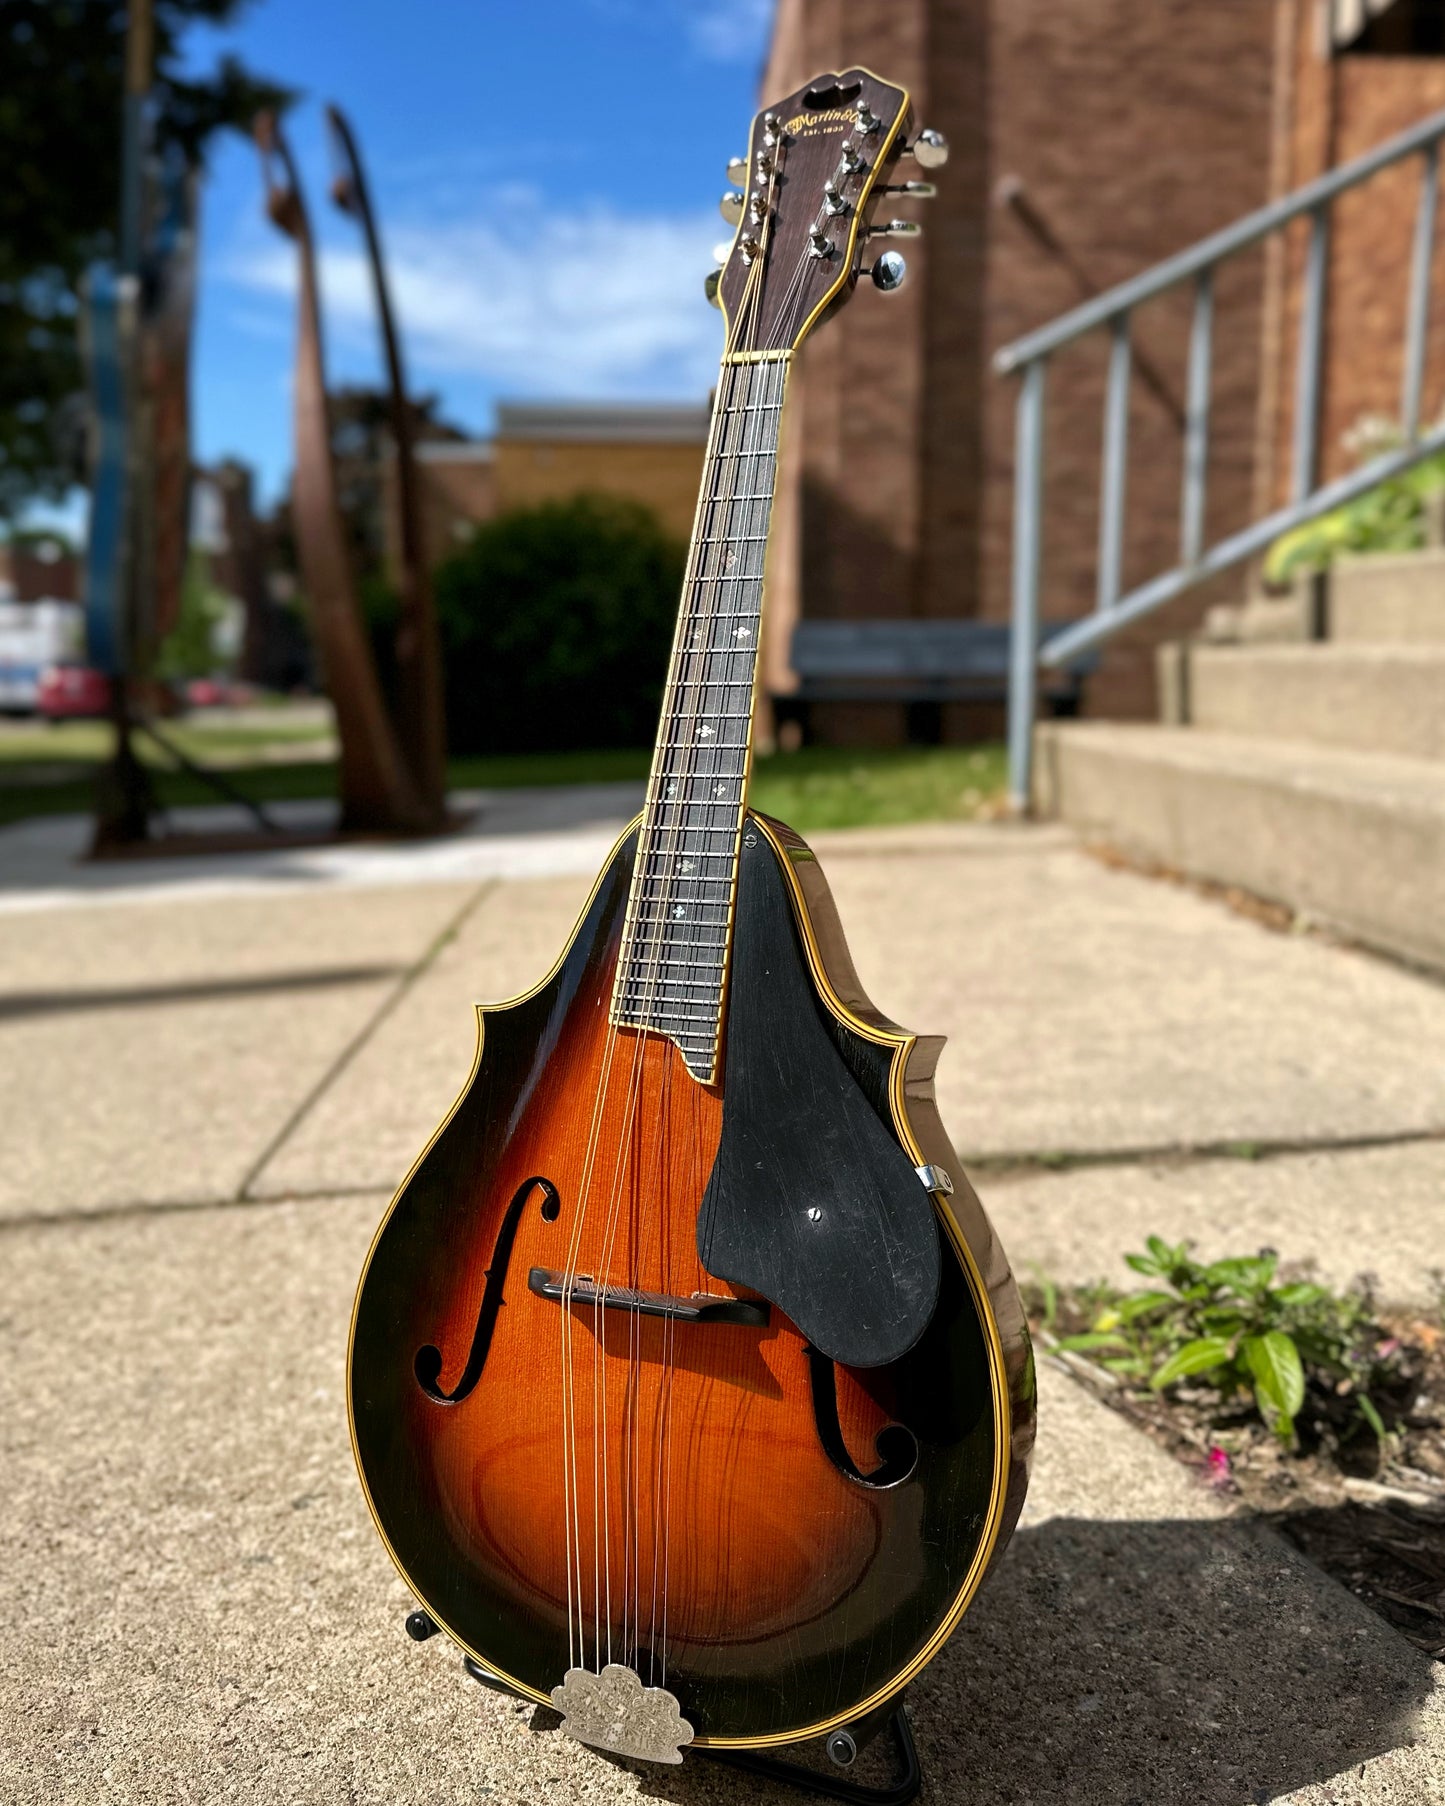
72 692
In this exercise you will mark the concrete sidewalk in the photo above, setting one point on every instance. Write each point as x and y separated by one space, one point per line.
211 1093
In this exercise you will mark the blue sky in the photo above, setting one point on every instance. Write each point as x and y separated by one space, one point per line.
546 176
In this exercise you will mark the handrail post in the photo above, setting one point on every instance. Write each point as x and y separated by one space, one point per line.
1115 477
1307 370
1196 427
1027 566
1419 316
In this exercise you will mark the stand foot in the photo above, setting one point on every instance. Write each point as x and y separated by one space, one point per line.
842 1746
841 1750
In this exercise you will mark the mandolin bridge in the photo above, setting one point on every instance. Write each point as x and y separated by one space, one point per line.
702 1307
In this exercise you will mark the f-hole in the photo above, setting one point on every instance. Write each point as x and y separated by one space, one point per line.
896 1444
819 100
428 1363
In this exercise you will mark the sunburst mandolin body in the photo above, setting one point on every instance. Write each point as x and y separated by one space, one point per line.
689 1386
795 1596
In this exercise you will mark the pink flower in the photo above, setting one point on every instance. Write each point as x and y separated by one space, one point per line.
1220 1474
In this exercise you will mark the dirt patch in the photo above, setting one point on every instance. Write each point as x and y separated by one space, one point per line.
1371 1514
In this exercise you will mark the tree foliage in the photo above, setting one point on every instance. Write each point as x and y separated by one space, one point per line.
61 91
555 625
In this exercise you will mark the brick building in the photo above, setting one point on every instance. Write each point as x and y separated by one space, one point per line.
1090 138
648 453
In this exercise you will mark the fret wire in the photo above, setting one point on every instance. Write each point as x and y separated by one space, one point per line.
708 946
711 988
669 1015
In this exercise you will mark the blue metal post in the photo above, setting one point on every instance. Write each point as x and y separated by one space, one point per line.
1115 480
1419 318
1311 344
1027 564
1196 425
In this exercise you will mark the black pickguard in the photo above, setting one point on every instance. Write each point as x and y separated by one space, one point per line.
812 1201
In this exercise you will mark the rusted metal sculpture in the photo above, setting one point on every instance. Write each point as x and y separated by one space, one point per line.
377 792
420 719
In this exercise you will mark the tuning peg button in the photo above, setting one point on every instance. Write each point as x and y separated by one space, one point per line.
912 191
731 206
889 273
710 285
896 228
930 148
738 171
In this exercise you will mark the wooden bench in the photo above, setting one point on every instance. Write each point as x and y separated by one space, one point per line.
919 661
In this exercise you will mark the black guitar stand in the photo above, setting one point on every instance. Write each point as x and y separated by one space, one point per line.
842 1750
842 1747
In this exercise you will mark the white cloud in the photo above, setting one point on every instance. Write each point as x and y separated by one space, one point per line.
590 304
735 31
724 31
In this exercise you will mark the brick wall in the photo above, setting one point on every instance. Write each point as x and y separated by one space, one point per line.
664 477
1135 126
1341 107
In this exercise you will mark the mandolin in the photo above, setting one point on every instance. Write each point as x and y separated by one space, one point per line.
689 1387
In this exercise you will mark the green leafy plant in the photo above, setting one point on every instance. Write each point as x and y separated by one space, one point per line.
1235 1326
1388 518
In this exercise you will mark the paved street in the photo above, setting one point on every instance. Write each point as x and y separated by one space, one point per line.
215 1075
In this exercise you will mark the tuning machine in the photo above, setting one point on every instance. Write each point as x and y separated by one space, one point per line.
711 283
929 149
896 228
730 206
911 191
738 171
889 273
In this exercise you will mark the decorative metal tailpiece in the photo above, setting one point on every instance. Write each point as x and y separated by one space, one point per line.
936 1179
614 1711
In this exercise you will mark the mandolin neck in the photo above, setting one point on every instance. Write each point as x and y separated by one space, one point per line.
672 974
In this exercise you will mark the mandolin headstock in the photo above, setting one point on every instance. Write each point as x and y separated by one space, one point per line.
818 167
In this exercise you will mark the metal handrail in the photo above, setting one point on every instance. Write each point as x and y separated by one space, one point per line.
1028 357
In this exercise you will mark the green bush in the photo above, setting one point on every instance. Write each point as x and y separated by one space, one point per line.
555 624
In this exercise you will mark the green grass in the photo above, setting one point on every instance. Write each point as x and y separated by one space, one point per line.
819 787
847 787
85 743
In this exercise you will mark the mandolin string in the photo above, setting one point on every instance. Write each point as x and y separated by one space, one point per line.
683 760
601 1477
752 452
571 1488
755 496
601 1446
692 678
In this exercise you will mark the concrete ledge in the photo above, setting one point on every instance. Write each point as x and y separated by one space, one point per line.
1389 596
1353 840
1385 699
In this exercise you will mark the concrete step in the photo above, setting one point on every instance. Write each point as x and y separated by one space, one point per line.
1262 620
1354 840
1388 699
1389 597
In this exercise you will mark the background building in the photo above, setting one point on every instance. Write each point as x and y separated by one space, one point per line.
1090 138
648 453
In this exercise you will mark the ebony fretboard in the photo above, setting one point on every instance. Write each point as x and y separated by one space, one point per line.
673 970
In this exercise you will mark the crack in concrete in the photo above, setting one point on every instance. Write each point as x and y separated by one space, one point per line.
387 1007
1064 1160
135 1209
996 1168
